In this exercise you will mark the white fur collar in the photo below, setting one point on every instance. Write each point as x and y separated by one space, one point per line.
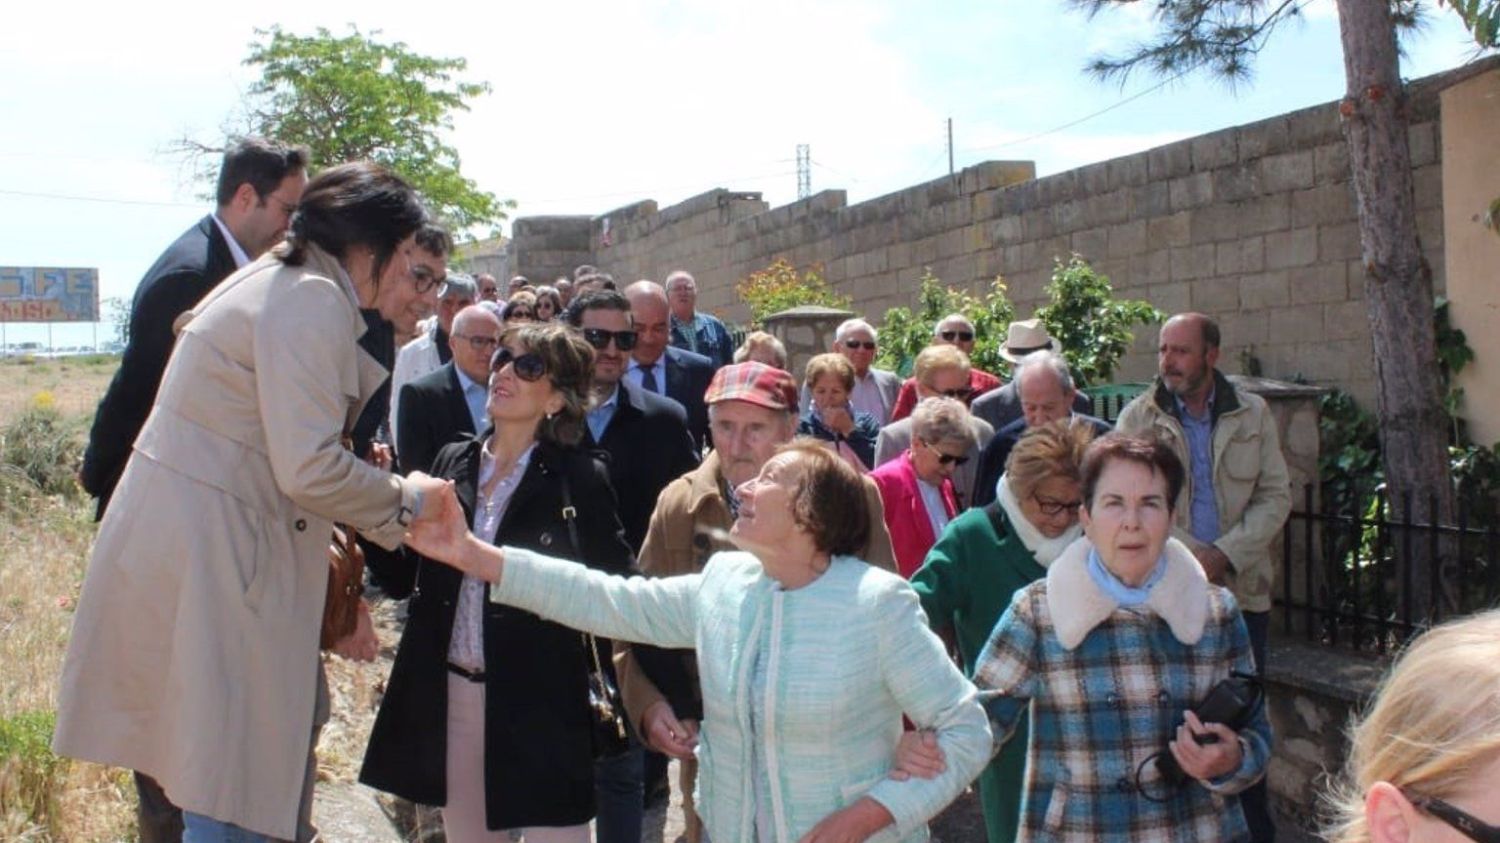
1043 549
1078 605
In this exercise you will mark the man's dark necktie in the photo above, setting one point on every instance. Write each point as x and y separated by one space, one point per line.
648 379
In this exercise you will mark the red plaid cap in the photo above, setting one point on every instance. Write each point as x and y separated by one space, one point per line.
753 383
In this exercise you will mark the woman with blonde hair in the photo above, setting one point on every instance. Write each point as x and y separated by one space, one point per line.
1424 761
761 347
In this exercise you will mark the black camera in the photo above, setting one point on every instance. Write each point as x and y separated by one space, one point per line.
1233 702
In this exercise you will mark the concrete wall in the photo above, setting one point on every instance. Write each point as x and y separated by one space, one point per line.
1254 225
1471 180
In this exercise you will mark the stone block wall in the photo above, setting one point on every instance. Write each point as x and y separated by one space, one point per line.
1254 225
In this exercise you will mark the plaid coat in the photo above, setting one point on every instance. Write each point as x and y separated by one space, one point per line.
1107 687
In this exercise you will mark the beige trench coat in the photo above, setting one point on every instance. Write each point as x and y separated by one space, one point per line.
194 653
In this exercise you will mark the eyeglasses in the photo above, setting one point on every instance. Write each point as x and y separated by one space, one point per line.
520 314
286 207
478 343
599 338
1052 508
867 345
960 336
945 459
1466 823
529 367
962 393
423 278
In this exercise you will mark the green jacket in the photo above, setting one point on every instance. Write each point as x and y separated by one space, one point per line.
966 583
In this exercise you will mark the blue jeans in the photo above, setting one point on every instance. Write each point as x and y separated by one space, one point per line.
197 828
619 790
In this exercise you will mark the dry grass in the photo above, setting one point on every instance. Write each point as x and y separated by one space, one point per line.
41 566
42 561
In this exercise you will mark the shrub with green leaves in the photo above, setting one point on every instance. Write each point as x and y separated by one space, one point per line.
782 286
43 446
905 332
1092 326
30 775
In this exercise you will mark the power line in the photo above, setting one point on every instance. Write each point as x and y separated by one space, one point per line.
103 199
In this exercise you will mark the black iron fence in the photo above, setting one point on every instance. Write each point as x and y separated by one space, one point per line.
1368 573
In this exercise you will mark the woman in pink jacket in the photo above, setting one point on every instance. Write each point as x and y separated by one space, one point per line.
917 487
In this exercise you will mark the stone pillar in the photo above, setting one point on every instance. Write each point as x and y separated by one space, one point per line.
805 331
1296 409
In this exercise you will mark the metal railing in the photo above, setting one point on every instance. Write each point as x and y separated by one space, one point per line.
1368 573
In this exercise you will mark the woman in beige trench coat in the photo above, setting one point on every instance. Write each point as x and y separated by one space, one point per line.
194 652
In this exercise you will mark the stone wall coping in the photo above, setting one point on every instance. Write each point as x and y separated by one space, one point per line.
807 311
1327 671
1271 388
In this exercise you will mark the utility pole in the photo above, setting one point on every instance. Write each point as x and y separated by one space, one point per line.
950 147
804 171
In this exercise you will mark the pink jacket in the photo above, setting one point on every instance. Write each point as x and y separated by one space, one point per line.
906 513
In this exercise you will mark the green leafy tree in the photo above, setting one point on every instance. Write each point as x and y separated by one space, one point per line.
1482 17
1222 37
352 97
782 286
905 331
1093 328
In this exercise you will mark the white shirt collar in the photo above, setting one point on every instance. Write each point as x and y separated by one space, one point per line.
235 250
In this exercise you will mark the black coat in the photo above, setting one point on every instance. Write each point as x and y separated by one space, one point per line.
648 446
539 766
688 376
431 413
182 276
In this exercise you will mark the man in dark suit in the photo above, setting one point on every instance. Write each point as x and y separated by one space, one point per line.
260 184
448 404
656 366
1046 395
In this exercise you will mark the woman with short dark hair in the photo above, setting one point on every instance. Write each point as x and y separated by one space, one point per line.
486 712
807 657
194 653
1111 651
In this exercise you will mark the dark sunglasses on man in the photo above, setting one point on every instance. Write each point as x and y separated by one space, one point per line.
855 345
529 367
599 338
957 336
962 393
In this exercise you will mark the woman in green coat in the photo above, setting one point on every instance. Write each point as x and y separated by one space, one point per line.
986 555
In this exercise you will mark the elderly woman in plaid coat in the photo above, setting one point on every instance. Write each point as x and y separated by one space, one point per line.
1112 649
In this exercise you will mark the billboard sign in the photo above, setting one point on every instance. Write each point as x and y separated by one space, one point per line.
49 294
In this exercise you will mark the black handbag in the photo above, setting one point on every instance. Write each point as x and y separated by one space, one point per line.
607 730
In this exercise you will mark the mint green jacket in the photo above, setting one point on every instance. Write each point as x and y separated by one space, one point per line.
849 654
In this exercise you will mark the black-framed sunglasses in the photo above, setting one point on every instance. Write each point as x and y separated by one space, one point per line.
959 336
962 393
478 343
1466 824
945 459
423 278
528 367
599 338
867 345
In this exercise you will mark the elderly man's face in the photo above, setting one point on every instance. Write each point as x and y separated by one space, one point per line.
448 307
955 332
651 322
1043 399
489 289
476 335
683 297
1184 359
858 347
746 436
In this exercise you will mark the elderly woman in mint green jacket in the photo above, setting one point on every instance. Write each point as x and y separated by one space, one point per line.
808 659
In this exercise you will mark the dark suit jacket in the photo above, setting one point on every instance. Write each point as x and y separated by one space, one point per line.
648 446
688 375
1002 406
184 273
539 767
992 458
430 413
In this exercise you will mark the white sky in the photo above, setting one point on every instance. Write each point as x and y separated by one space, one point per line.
597 105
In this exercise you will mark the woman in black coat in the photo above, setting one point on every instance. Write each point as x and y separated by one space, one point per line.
486 711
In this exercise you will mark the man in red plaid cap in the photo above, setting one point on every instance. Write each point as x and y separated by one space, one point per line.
752 410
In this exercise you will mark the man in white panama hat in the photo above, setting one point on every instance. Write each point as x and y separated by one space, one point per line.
1002 406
